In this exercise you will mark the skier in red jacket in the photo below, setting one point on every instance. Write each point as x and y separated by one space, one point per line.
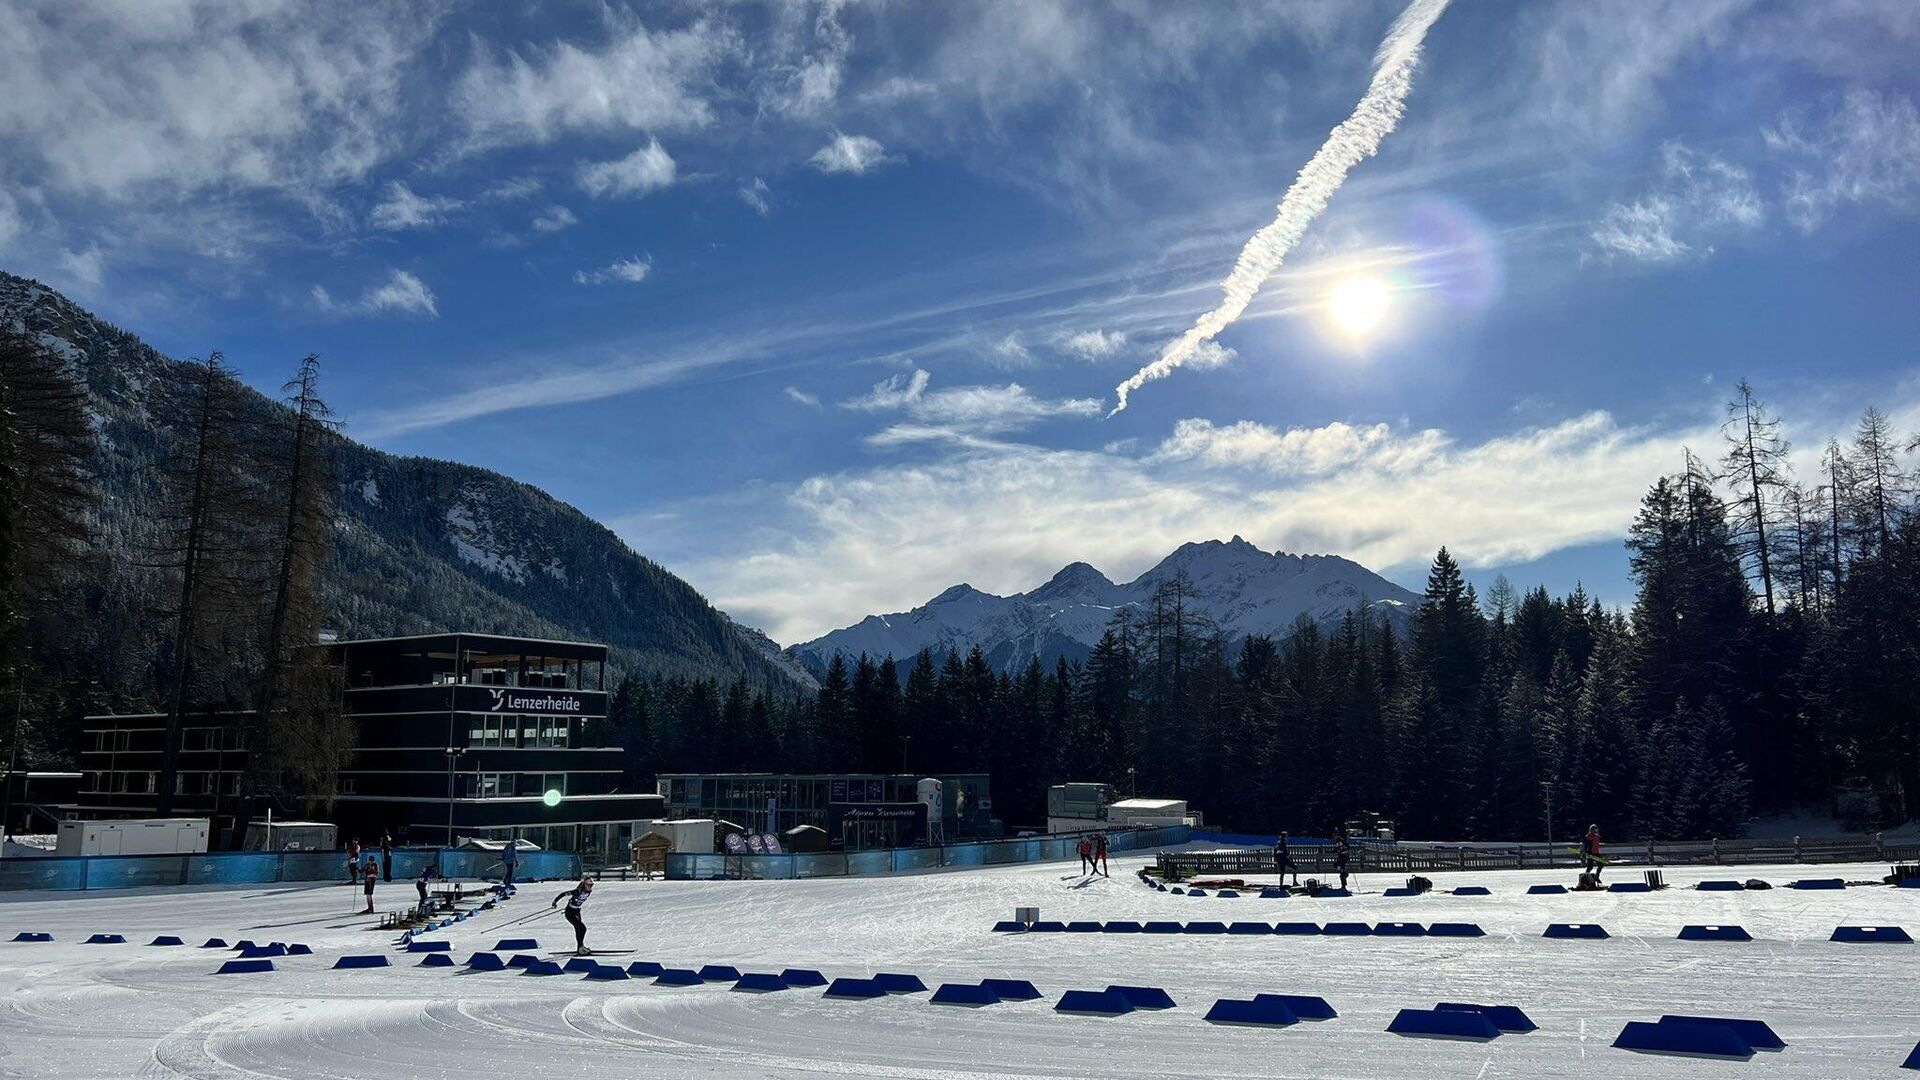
1590 852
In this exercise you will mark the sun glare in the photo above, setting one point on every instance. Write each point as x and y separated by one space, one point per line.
1358 304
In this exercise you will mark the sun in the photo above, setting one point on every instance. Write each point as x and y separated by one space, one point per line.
1358 305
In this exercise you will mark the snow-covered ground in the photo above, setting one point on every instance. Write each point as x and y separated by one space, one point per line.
74 1010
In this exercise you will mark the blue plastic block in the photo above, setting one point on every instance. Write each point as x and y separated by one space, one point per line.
1008 926
429 946
255 952
243 943
1144 997
1047 927
297 949
244 967
1508 1018
1228 893
644 969
1161 926
1347 929
1093 1003
1274 894
1908 883
486 961
521 960
759 983
1455 929
1720 886
106 939
1400 929
32 936
855 989
1545 890
215 943
583 964
1756 1033
1439 1024
1256 1013
1714 933
1576 930
436 959
541 967
970 995
1250 928
1304 1006
1629 886
1818 883
166 939
720 973
363 961
1692 1040
1012 989
1296 928
803 977
1196 892
516 944
1178 891
1121 926
1401 890
1472 890
895 983
1206 928
608 973
1336 894
1913 1059
1083 927
1889 934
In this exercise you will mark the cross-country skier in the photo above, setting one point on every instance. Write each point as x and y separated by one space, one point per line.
1086 855
420 886
1100 852
1590 851
1283 860
576 899
1340 857
507 859
371 874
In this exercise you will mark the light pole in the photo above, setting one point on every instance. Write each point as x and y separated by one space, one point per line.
1133 783
452 756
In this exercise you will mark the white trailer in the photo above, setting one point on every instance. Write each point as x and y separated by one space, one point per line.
690 836
145 836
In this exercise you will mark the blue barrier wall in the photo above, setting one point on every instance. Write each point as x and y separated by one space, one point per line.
263 867
691 867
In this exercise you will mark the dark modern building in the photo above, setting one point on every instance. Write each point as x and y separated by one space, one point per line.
458 736
859 811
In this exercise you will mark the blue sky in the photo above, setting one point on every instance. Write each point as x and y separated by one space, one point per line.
824 305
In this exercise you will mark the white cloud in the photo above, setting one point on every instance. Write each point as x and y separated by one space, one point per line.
757 195
1011 352
554 219
401 294
86 267
402 209
1301 451
1698 197
892 392
1867 151
845 153
632 271
965 414
807 85
645 170
1094 344
12 224
811 401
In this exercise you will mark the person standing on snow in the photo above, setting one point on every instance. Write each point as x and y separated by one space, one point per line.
508 858
370 874
386 856
1283 860
420 886
576 899
1086 855
353 862
1590 851
1340 856
1100 852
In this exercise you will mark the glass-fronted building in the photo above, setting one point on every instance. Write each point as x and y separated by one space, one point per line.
859 811
458 736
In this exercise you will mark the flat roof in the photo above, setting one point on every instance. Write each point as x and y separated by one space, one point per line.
450 635
914 776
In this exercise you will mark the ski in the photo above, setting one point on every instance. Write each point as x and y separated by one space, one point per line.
591 952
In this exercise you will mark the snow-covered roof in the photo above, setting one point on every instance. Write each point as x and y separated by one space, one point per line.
1154 806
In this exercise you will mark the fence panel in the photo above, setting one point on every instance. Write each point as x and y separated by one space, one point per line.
684 867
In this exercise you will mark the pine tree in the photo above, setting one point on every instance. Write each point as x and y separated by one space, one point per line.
1756 465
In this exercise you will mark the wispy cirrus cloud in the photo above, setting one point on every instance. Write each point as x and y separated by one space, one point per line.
1864 151
554 219
646 170
631 271
854 154
401 208
400 294
1698 197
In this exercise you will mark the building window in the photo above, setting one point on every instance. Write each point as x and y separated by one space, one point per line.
349 786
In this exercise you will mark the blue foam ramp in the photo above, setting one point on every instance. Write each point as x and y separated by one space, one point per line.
541 967
244 967
361 961
429 946
106 939
1756 1033
1508 1018
608 973
1304 1006
255 952
759 982
166 939
803 977
516 944
1691 1040
1400 929
1889 934
215 943
1178 891
1629 886
31 937
1048 927
1206 928
1121 926
1347 929
583 964
1274 894
720 973
1083 927
855 989
1818 883
1576 930
1012 989
895 983
1697 932
1913 1059
1908 883
644 969
1439 1024
243 943
1720 886
1093 1003
1256 1013
436 959
297 949
1472 890
1545 890
1296 928
1144 997
1335 893
1196 892
1250 928
1455 929
1161 926
486 961
1228 893
1008 926
970 995
521 960
1401 890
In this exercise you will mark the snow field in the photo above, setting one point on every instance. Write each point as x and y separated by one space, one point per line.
74 1010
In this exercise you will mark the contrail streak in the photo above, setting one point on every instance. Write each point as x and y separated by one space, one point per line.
1356 139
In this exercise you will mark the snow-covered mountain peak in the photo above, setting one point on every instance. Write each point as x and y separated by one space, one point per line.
1075 580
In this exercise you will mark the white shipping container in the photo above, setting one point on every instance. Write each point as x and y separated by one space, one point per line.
146 836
